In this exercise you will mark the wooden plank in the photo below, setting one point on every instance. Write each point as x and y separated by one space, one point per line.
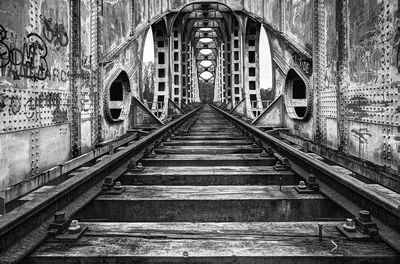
212 243
208 137
213 170
211 204
233 149
210 176
227 192
208 142
209 160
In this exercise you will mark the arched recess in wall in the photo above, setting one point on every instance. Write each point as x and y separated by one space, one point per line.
148 70
117 101
265 68
297 95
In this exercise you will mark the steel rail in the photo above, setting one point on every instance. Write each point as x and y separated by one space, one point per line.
350 193
22 229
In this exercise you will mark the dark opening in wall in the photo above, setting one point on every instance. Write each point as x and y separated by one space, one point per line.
176 44
252 42
161 58
237 90
300 110
175 33
229 92
116 91
176 67
252 85
176 79
252 56
236 44
236 32
236 55
160 44
299 89
115 113
160 98
161 86
176 56
160 33
176 91
161 73
296 96
236 78
252 71
236 67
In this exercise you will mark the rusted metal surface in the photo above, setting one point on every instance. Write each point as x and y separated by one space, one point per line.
385 210
23 228
367 170
166 219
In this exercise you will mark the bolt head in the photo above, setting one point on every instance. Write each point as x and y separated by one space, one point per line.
312 178
364 216
74 227
59 217
108 181
118 185
349 225
302 185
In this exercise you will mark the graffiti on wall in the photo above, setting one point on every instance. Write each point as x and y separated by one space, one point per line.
54 33
359 106
30 106
21 109
27 59
361 134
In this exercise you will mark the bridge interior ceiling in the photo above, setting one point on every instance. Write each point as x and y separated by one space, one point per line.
206 28
73 76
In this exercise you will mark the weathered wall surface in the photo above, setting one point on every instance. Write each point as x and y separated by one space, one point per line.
298 21
372 106
355 91
49 105
34 87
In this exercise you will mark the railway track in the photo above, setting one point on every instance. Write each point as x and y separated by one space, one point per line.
206 188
